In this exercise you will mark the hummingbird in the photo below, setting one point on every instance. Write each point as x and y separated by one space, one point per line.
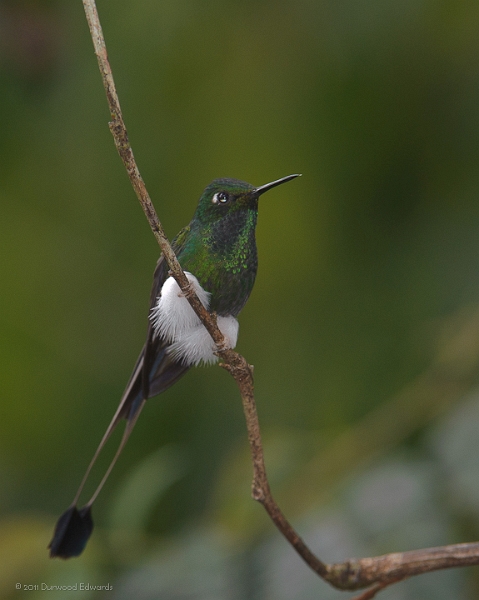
217 252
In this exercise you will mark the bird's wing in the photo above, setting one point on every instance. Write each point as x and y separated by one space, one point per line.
154 370
160 371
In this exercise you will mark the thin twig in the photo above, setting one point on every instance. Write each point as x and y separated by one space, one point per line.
120 135
378 571
372 591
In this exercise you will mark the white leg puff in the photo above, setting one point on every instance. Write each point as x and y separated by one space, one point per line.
174 320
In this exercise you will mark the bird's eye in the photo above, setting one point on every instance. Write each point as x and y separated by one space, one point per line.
220 198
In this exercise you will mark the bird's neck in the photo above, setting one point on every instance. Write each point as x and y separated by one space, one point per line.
233 240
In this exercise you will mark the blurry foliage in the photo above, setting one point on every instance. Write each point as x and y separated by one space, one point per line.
361 260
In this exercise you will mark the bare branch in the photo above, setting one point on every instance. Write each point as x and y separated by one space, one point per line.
391 568
120 135
377 572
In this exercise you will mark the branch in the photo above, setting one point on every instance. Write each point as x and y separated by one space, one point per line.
120 135
351 575
391 568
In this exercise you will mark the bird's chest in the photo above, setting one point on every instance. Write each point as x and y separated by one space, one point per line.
226 263
232 288
231 282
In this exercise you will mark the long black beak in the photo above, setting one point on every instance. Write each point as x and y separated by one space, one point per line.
267 186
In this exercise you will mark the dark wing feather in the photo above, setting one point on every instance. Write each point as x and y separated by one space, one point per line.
154 370
160 371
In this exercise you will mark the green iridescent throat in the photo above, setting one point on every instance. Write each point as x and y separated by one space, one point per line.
223 258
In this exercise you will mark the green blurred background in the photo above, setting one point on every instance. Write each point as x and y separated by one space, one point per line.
363 325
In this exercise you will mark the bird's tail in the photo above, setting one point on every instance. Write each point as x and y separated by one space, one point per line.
154 372
74 526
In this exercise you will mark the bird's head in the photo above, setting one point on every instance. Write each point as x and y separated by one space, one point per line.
225 196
